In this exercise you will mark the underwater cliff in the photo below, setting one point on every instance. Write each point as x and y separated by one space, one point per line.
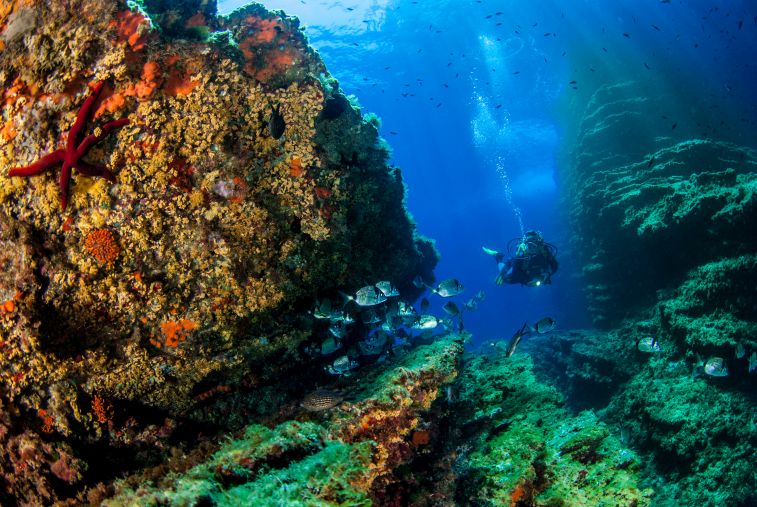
176 189
663 223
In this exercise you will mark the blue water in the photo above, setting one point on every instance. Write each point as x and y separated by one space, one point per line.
476 102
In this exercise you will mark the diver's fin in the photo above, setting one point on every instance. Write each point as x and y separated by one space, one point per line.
489 251
500 279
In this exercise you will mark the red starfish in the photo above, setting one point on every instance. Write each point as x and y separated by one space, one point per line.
71 156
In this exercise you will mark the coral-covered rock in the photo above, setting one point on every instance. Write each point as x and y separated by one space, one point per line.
236 202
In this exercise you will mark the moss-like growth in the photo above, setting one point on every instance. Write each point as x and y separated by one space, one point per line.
525 449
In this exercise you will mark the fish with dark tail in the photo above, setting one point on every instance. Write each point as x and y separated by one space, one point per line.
542 326
517 337
276 123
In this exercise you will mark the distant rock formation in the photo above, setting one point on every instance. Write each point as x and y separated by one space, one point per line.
646 208
664 225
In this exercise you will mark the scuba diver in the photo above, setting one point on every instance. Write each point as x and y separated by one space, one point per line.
533 263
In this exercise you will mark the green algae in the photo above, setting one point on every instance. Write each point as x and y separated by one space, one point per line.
291 464
699 438
343 457
528 448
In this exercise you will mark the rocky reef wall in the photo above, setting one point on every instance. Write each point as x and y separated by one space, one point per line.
663 223
647 205
176 189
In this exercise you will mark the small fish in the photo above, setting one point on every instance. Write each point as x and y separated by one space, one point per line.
425 322
321 399
276 124
424 305
450 394
338 329
480 296
391 323
544 325
387 289
418 282
515 340
373 344
367 296
471 304
656 27
499 428
753 362
342 366
451 308
648 344
323 309
651 161
674 126
329 346
740 351
405 310
448 288
716 367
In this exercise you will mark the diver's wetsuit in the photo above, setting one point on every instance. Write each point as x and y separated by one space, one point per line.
534 262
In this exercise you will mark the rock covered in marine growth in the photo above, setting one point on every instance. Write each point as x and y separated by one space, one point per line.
663 224
188 277
647 207
348 453
523 448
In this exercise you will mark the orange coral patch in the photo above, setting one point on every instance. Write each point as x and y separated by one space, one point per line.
8 131
517 495
110 104
102 245
19 89
150 71
47 421
421 437
295 168
129 29
9 306
322 193
176 332
102 409
180 83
